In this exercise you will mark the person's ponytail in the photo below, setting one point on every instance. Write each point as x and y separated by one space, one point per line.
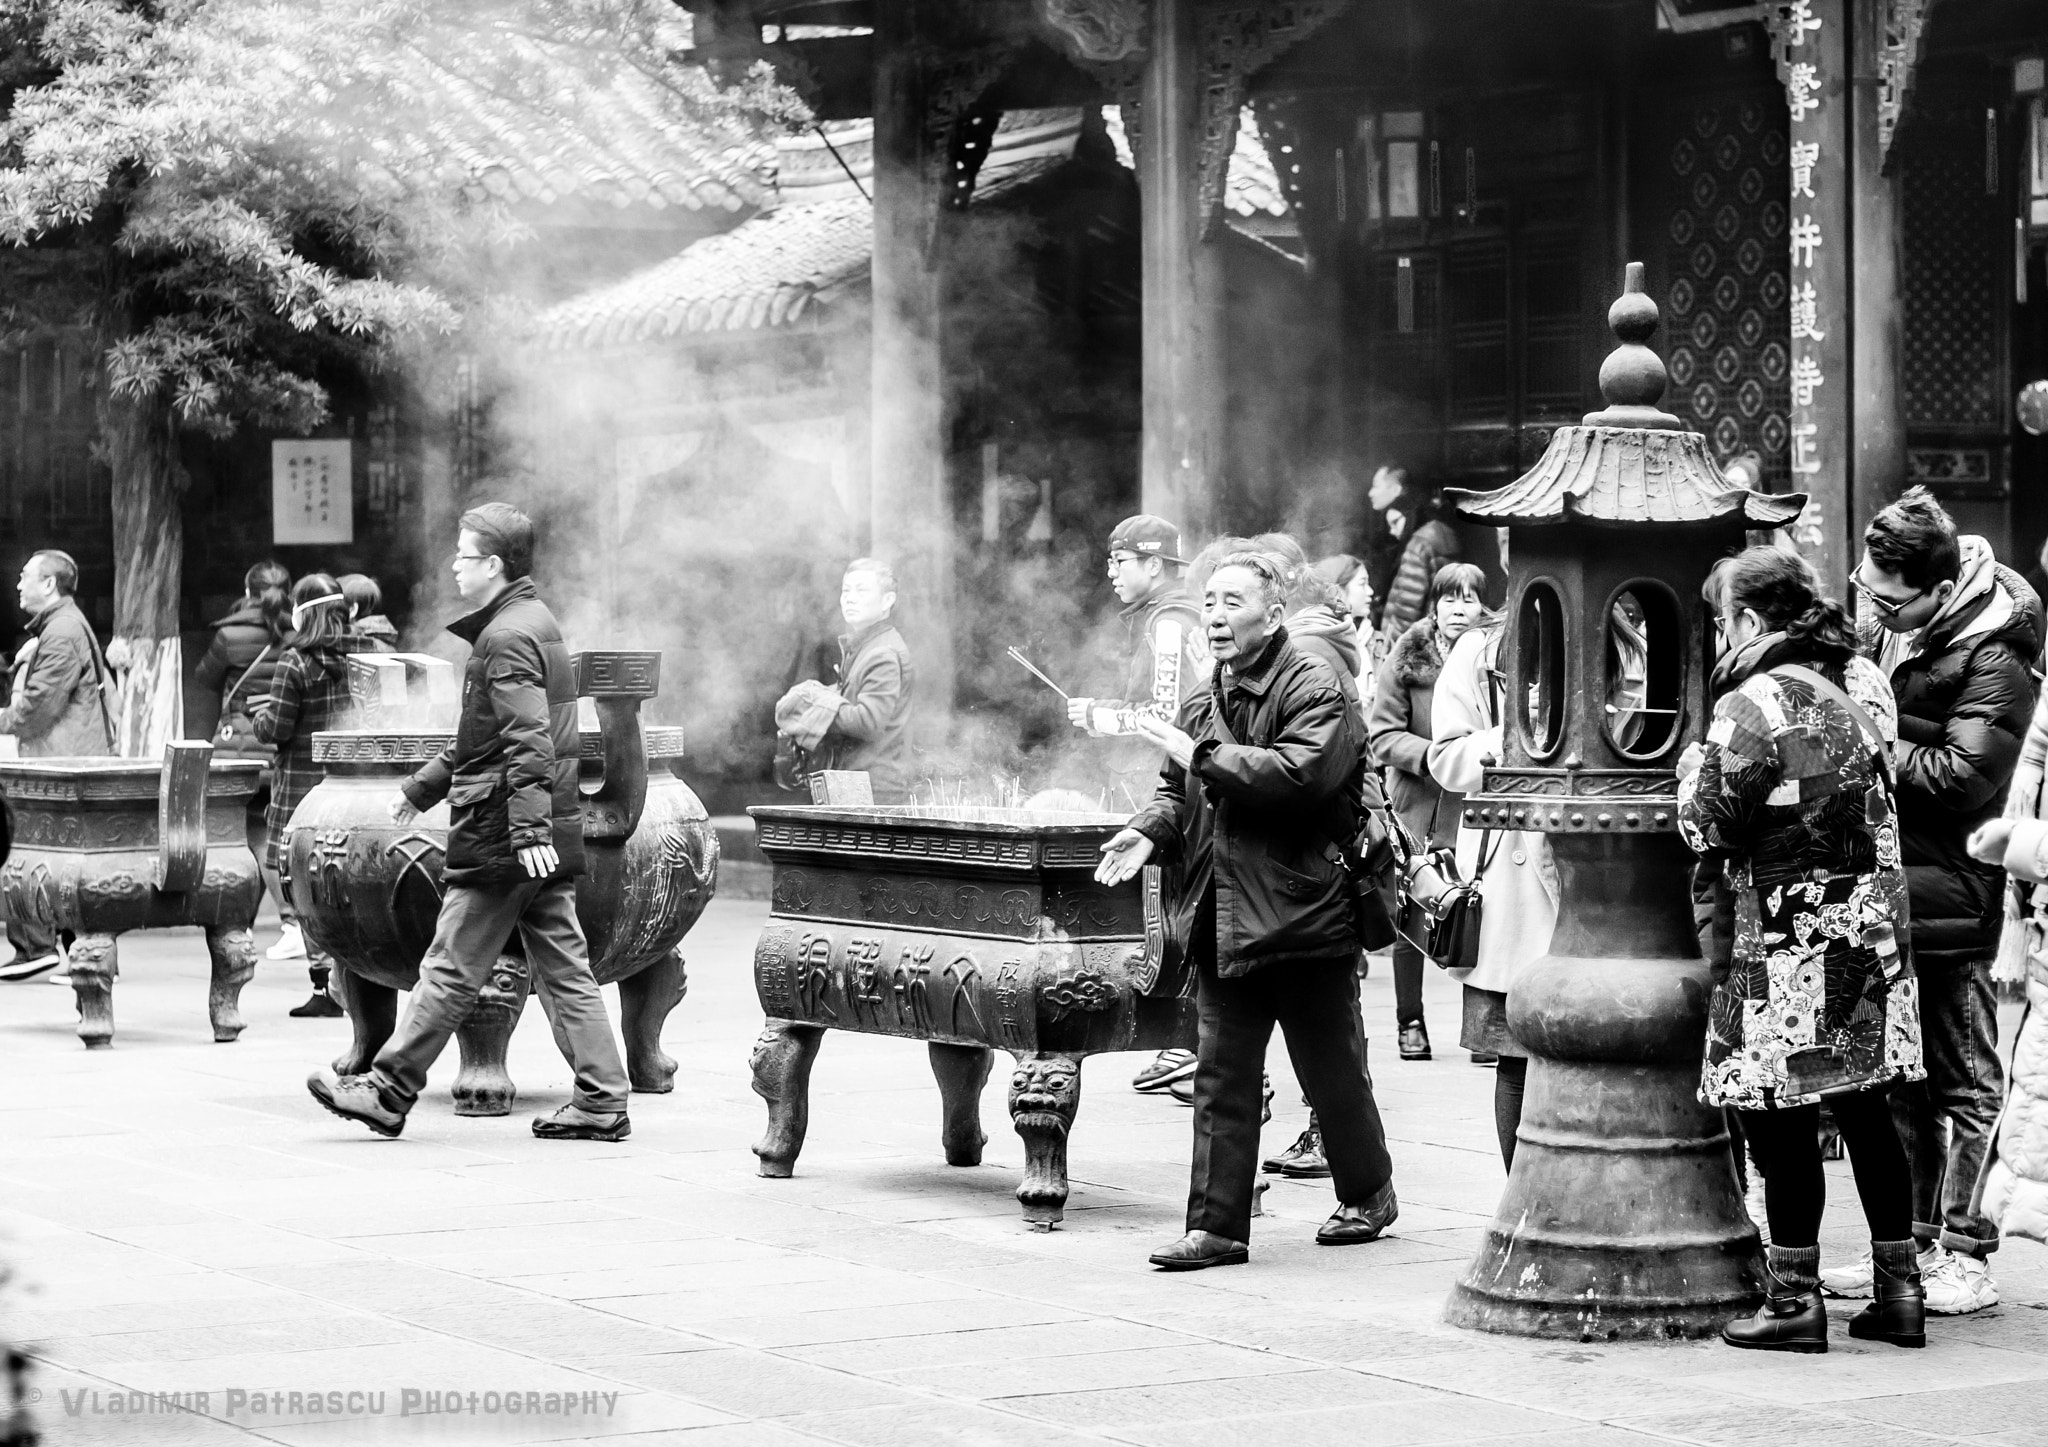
1823 631
268 585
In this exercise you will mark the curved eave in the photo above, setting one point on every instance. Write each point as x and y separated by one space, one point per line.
1625 477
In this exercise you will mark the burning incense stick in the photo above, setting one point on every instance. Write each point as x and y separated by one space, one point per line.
1018 657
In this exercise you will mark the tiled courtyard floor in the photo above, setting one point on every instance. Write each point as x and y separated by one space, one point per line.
185 1221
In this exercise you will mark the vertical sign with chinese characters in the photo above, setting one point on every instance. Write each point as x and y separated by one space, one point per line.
1809 41
312 494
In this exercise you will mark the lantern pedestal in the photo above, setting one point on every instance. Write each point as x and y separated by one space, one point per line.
1620 1221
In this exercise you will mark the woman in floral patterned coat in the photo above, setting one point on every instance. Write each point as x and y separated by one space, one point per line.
1791 796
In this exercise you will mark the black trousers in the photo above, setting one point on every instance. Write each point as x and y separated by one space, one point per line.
1315 1004
1786 1144
1408 970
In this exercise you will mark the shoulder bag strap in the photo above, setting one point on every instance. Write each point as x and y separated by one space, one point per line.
1855 711
227 702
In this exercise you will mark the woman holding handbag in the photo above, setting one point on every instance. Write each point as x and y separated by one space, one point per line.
1400 723
1791 796
308 693
1512 870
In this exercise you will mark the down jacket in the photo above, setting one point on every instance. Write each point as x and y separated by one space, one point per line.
1429 548
1965 690
510 775
234 676
1257 821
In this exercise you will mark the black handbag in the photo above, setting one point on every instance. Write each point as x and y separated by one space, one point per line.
1440 911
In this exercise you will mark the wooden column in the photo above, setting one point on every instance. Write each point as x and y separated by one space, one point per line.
1877 470
1810 40
1182 458
909 510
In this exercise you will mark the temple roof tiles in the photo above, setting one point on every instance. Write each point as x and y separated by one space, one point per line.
1623 475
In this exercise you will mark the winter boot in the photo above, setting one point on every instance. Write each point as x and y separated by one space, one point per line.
1898 1314
1792 1318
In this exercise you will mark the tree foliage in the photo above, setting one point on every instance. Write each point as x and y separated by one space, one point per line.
238 195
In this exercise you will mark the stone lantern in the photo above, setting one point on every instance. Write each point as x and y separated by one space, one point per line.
1621 1218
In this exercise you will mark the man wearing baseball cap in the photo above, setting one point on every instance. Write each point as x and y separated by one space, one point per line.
1168 660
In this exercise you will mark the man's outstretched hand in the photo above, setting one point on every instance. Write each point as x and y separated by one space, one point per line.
402 811
1124 855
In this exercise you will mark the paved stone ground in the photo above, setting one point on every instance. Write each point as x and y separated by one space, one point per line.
188 1221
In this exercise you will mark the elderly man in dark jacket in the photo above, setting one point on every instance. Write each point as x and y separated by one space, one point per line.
1957 632
1259 790
57 708
515 842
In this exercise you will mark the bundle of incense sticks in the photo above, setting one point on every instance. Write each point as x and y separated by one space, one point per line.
1018 656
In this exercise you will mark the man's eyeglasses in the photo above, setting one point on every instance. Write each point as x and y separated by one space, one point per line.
467 557
1117 560
1890 607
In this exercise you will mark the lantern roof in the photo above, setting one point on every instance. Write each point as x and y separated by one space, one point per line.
1631 462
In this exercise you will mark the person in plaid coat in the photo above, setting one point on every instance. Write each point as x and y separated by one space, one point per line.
308 693
1792 798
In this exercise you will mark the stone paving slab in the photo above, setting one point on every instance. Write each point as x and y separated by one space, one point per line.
186 1220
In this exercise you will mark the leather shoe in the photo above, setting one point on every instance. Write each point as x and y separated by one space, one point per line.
320 1007
1304 1160
1795 1323
1898 1311
1356 1225
1414 1042
573 1123
1199 1249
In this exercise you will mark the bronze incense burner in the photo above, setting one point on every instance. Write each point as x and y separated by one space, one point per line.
970 929
103 846
368 891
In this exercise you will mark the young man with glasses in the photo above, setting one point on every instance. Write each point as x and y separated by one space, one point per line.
515 845
1957 632
1166 661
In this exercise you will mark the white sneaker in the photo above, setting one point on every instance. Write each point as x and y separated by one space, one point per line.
1854 1279
1851 1280
291 945
1957 1284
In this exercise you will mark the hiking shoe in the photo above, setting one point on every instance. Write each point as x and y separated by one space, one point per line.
573 1123
1304 1160
291 944
1163 1070
27 967
357 1098
1307 1143
1957 1284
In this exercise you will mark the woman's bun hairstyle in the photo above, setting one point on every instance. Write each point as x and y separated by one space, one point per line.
1783 590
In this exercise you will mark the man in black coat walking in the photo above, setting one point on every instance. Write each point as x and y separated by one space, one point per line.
1258 793
1957 632
515 844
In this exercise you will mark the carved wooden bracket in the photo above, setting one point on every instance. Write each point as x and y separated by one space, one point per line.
1898 56
1235 42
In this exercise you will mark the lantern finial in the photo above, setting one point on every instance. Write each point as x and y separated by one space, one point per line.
1632 378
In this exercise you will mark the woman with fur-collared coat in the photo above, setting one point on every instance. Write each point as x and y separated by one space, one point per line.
1517 876
1400 724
